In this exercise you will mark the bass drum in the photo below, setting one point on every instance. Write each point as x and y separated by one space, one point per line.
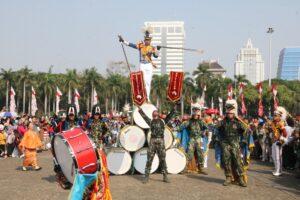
74 152
132 138
168 137
118 161
140 160
175 160
148 110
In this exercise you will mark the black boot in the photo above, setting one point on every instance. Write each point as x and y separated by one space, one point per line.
146 179
227 181
166 180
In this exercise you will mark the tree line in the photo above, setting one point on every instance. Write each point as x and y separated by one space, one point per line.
114 90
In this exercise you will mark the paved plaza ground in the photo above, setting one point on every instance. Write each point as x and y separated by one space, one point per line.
37 185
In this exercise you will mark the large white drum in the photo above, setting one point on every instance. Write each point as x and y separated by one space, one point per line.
148 110
168 137
140 160
176 161
132 138
118 161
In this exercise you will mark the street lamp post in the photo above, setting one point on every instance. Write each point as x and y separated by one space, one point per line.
270 31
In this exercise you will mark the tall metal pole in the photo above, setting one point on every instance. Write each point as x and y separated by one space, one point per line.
270 31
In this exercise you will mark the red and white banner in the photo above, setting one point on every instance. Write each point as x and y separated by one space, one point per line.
275 99
57 95
76 100
34 107
138 88
12 103
175 86
229 92
242 97
95 97
260 103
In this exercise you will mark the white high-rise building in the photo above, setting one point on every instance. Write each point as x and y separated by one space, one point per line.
171 34
249 62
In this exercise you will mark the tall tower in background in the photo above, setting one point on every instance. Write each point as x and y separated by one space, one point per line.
289 64
249 63
171 34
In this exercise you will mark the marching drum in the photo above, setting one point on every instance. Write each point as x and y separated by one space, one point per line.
148 110
132 138
176 161
140 160
75 152
118 161
168 137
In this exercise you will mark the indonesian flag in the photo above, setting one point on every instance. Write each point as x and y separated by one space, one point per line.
12 104
229 92
76 100
34 107
274 92
260 104
95 97
241 93
57 95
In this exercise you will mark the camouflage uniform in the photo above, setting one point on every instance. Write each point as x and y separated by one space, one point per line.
230 133
98 131
196 129
157 144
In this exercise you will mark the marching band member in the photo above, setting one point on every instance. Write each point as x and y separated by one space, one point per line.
197 129
230 131
157 143
279 137
98 127
146 51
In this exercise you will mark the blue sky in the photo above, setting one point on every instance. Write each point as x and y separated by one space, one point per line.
83 33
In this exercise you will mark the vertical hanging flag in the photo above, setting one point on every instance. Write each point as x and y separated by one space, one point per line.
175 86
76 100
34 107
202 99
221 106
229 92
242 97
57 95
274 92
95 97
260 104
12 103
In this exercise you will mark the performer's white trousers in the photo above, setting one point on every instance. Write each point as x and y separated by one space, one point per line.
277 157
147 70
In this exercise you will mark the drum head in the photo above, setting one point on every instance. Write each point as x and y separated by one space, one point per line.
118 161
168 137
176 161
140 160
132 138
64 158
148 110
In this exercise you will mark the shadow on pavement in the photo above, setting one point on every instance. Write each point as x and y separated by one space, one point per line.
206 178
289 182
50 179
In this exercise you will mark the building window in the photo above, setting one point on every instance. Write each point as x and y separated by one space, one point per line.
170 29
178 29
157 30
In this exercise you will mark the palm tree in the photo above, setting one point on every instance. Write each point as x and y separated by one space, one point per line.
203 76
159 88
24 75
71 81
7 75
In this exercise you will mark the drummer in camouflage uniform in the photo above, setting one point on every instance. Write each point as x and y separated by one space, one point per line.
98 127
157 144
231 129
197 129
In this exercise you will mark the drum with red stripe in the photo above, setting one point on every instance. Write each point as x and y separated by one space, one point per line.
75 152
